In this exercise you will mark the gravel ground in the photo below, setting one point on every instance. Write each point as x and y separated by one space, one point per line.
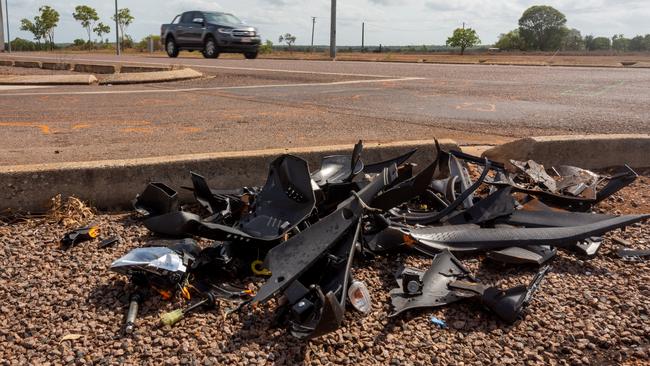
586 311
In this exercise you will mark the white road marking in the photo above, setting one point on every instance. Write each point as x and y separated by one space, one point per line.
154 90
63 58
20 87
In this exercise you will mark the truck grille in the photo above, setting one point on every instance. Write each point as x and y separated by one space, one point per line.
243 33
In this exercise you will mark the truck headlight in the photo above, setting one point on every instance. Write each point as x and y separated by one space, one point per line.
225 30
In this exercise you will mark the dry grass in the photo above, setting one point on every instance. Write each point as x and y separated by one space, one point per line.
70 213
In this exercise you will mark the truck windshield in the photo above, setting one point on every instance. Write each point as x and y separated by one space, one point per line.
221 18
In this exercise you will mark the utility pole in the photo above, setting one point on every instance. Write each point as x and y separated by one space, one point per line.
363 36
463 25
313 24
333 32
8 49
117 31
2 30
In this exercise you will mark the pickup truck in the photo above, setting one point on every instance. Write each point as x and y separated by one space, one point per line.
211 33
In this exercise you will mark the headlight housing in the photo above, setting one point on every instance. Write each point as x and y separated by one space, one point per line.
225 30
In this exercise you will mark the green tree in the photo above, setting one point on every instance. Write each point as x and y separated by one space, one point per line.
43 25
288 39
49 20
87 16
101 29
600 43
511 41
267 47
463 38
124 19
542 27
638 44
620 43
573 40
34 28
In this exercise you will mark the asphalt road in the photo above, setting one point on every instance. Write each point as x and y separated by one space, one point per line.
258 104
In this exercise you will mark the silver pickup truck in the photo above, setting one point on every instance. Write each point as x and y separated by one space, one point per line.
211 33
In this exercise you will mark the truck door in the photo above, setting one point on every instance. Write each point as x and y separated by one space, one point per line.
195 29
183 28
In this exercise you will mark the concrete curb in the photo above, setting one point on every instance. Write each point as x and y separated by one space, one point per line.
585 151
56 66
151 77
95 69
126 69
28 64
113 184
48 80
6 63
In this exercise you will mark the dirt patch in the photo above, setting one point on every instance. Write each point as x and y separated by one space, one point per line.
586 311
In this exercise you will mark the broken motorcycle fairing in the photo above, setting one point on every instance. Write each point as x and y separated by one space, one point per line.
286 200
291 258
573 188
418 289
506 304
339 168
473 238
316 300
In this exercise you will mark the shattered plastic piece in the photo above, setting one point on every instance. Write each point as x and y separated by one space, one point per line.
533 254
109 241
472 238
376 168
285 201
632 254
157 199
536 174
80 235
495 205
439 322
153 259
339 168
444 269
406 190
507 304
360 297
588 247
291 258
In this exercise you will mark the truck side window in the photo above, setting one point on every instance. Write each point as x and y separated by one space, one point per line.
187 17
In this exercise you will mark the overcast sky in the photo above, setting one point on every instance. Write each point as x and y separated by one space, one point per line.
389 22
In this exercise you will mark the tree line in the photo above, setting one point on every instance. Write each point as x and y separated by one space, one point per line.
43 25
543 28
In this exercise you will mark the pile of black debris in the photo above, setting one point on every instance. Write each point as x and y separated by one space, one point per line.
302 230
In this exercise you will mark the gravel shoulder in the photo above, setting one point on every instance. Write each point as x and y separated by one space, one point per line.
586 311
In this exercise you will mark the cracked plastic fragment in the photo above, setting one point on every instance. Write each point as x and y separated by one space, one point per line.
473 238
291 258
339 168
420 289
157 199
507 304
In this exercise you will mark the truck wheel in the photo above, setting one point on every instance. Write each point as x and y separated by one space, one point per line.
170 47
250 55
210 49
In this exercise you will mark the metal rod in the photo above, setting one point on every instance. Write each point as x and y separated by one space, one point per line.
313 24
117 31
2 27
8 34
363 36
333 32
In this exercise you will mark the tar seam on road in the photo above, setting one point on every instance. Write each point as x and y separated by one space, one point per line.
140 91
